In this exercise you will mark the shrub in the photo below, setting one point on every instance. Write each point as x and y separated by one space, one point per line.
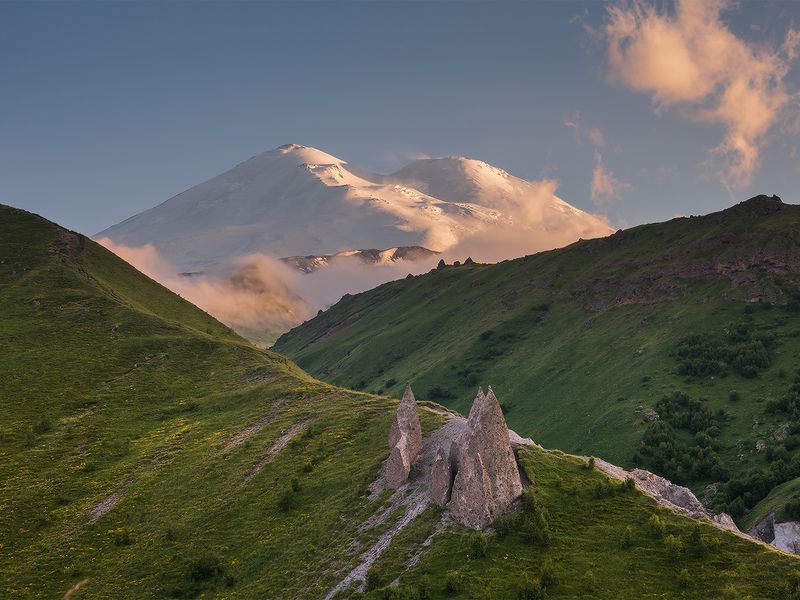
43 426
286 501
205 568
534 526
548 578
505 524
627 537
531 590
295 484
734 396
437 392
630 483
696 543
656 526
792 508
591 463
122 538
453 582
674 547
373 580
391 382
478 544
683 578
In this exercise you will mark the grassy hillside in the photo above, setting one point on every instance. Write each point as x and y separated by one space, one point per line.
583 343
148 452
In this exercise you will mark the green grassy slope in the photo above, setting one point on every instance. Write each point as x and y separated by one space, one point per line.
117 394
580 342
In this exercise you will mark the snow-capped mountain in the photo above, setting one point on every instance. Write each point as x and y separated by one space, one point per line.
369 257
299 201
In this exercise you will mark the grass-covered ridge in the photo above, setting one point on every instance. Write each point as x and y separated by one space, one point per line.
148 452
582 343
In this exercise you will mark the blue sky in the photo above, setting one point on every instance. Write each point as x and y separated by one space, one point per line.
108 108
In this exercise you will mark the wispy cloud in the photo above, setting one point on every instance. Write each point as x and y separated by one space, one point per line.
596 136
605 188
689 59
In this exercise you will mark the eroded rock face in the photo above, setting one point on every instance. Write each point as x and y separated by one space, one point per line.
787 536
441 478
764 530
677 495
487 478
405 440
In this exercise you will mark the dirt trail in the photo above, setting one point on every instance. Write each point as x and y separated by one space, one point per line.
287 435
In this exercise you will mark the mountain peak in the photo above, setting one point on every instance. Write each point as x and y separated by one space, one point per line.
301 154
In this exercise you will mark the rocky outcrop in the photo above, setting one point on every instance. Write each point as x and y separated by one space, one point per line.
764 530
668 494
405 441
674 494
487 479
787 536
441 478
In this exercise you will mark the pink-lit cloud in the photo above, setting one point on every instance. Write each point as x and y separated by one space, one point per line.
690 60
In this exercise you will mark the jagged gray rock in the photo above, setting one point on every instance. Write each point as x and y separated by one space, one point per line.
764 530
487 477
405 440
441 478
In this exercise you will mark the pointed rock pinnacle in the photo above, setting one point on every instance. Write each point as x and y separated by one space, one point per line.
405 440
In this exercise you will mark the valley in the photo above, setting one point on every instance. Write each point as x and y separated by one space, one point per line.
148 450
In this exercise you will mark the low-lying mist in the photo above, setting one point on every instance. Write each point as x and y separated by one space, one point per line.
261 297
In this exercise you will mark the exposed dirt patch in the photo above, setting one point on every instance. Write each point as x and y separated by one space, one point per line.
287 435
245 434
157 460
75 588
110 501
412 498
69 245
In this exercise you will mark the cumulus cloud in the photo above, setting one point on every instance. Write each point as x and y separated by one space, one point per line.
605 186
689 59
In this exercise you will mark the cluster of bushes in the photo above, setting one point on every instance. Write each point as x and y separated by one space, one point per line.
744 491
202 573
789 403
531 521
741 348
675 458
694 544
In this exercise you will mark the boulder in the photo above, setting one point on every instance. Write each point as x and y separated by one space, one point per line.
487 478
405 440
441 478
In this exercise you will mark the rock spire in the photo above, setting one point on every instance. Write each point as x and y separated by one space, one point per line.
405 440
